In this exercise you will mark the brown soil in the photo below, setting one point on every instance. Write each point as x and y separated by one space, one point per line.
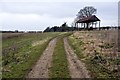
76 67
40 70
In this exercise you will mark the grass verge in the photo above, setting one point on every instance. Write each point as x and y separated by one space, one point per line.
18 54
59 67
92 64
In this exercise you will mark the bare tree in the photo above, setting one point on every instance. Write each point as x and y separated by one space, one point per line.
86 12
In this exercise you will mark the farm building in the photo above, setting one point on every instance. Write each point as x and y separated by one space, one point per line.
87 22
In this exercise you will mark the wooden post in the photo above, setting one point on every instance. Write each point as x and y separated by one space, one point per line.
99 25
78 26
84 25
92 24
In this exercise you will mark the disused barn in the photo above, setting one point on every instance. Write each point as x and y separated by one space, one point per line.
87 22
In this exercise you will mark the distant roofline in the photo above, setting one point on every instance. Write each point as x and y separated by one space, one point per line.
92 18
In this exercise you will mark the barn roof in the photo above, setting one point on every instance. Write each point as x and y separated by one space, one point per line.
92 18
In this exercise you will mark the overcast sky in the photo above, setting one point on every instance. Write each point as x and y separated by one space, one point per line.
36 15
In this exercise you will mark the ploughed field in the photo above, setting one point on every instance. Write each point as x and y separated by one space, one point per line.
79 54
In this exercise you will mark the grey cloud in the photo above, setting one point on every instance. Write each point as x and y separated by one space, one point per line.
57 10
61 9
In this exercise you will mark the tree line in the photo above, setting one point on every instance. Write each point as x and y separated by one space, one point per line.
63 28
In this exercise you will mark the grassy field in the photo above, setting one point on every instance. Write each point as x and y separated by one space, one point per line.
96 49
10 35
59 67
19 53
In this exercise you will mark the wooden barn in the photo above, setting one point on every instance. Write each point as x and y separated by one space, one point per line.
87 22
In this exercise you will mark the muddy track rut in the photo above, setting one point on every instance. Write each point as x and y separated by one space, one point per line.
76 67
40 70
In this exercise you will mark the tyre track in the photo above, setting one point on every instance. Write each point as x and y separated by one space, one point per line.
40 70
76 67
